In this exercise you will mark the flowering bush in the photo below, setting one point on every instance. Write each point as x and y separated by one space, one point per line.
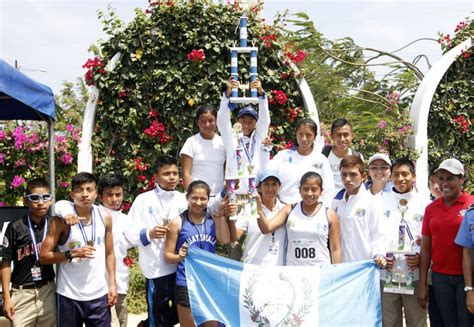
24 155
169 67
450 120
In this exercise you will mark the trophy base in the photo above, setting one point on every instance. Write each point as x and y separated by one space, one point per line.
243 100
399 290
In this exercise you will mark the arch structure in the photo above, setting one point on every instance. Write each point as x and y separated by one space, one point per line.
85 155
420 109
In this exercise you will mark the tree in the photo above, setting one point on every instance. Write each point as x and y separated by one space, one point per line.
71 103
174 57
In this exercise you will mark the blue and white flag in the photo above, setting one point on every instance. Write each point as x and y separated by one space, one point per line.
238 294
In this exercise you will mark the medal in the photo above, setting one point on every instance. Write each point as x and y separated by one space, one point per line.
83 232
90 242
36 270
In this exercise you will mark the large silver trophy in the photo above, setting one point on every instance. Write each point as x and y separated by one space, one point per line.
242 180
400 278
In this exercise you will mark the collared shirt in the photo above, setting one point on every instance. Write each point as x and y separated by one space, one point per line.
360 219
148 210
442 223
465 236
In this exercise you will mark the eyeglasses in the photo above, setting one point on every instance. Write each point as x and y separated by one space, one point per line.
383 168
35 198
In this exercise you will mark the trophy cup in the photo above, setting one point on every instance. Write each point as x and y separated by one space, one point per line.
400 279
234 64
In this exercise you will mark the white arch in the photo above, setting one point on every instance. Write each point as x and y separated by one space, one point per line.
85 158
421 107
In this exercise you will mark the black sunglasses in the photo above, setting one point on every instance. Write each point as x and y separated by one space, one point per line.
37 197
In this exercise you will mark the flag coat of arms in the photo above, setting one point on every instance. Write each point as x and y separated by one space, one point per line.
238 294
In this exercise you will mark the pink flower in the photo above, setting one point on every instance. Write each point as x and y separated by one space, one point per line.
2 204
60 139
17 181
2 158
2 134
19 137
66 158
382 124
19 163
63 184
70 127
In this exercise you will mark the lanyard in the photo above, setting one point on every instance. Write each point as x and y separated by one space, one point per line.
33 238
167 216
203 232
410 235
83 232
249 151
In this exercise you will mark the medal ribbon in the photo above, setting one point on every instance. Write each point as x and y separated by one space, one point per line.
83 232
248 152
33 238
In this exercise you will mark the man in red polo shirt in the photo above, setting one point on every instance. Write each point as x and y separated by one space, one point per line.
440 225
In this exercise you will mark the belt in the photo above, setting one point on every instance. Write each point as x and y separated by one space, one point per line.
31 286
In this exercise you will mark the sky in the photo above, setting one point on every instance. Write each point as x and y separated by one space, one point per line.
50 39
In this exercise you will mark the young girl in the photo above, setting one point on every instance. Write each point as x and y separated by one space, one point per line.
193 227
260 249
291 164
312 228
203 154
379 172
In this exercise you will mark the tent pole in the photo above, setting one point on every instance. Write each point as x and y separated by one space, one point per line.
52 178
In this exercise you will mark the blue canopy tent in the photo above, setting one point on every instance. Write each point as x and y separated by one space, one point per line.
22 98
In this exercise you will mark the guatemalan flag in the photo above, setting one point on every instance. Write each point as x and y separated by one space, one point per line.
240 294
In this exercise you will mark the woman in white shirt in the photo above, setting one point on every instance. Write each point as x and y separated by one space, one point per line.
203 154
313 233
261 249
379 172
291 164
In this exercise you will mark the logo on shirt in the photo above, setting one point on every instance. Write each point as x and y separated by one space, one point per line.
318 166
5 242
387 214
360 212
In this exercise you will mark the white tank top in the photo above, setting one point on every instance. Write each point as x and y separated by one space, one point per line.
84 279
307 238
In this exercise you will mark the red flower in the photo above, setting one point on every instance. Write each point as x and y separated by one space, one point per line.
122 94
278 96
297 57
126 206
152 113
140 165
128 261
196 55
267 39
141 178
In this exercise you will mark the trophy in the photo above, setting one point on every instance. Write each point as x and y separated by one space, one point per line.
400 278
234 65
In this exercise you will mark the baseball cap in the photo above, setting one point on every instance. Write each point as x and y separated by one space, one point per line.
452 165
266 174
380 156
249 110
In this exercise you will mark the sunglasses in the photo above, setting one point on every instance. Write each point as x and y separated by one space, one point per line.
37 197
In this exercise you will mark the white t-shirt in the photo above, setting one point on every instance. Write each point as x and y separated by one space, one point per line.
208 160
84 279
263 249
291 166
120 223
307 238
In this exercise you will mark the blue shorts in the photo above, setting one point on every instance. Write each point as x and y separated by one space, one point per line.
72 313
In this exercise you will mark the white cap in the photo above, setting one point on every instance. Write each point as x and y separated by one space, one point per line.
268 173
452 165
380 156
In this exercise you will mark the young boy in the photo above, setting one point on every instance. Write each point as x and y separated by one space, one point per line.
86 276
342 136
32 300
111 193
362 236
151 212
404 206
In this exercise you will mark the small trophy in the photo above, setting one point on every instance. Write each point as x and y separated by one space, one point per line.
400 278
